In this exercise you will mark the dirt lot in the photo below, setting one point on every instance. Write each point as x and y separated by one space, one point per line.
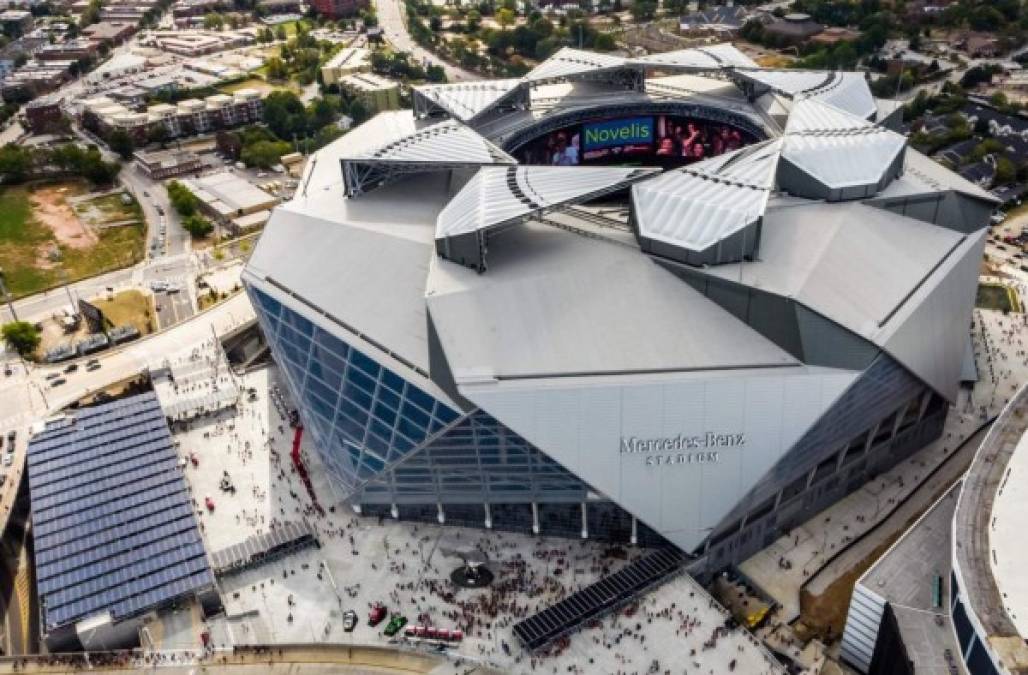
52 210
43 241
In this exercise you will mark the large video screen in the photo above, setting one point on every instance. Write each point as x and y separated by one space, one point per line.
652 140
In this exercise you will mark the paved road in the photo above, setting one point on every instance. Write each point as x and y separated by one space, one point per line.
391 18
180 268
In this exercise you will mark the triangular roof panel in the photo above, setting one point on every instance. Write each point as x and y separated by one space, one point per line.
570 62
499 195
714 57
701 205
466 100
838 150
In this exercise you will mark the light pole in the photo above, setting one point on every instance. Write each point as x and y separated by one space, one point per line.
7 296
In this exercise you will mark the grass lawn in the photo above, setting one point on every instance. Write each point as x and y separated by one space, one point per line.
997 297
128 307
23 238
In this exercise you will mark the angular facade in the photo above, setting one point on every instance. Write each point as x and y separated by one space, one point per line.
730 339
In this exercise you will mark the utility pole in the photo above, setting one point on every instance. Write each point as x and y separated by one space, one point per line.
7 296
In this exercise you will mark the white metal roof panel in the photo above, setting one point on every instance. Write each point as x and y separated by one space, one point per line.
396 136
837 148
702 204
853 263
556 302
465 100
496 195
569 61
717 56
848 91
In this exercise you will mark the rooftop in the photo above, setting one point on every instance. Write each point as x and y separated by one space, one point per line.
114 528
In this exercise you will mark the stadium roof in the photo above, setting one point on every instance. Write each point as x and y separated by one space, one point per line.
555 302
768 211
845 90
394 142
465 101
112 520
499 195
700 205
839 149
569 62
700 58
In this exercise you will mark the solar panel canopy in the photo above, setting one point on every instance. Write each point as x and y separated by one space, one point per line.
113 525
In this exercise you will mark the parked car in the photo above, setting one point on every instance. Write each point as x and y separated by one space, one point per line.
72 367
209 503
53 376
395 624
349 620
58 382
377 614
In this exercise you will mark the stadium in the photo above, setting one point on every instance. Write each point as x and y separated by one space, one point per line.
677 299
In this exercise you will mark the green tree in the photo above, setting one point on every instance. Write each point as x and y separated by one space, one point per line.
280 33
157 134
276 68
1006 172
197 226
183 201
21 336
264 154
121 143
505 18
213 21
644 10
15 163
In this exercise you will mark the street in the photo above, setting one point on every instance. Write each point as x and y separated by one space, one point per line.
390 18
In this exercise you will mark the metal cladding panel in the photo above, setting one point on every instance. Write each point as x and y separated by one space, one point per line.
647 442
942 309
500 195
568 62
466 100
862 623
713 57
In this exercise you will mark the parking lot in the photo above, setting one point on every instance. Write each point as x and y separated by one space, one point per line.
172 303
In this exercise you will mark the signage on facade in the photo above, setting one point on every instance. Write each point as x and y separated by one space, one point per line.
682 449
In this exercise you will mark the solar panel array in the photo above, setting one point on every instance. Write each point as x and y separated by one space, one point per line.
113 525
597 599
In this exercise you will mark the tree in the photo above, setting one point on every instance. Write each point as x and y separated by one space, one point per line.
644 10
121 143
21 336
276 68
197 226
280 33
1006 172
157 134
505 18
183 201
264 154
213 21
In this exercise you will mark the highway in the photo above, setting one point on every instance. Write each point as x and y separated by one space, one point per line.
391 18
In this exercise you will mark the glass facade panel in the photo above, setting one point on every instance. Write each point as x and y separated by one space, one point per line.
372 426
359 424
